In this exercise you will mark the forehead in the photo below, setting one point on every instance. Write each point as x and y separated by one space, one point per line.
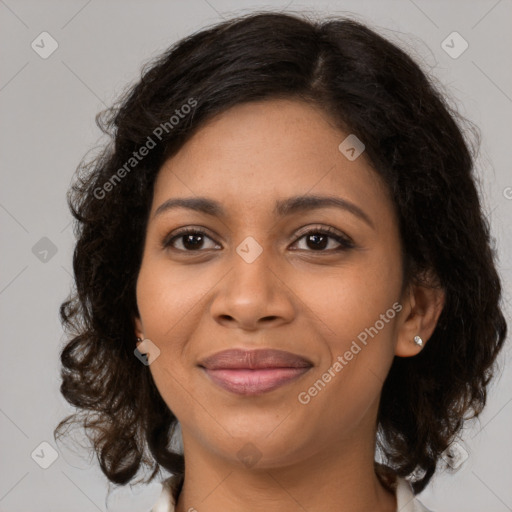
255 153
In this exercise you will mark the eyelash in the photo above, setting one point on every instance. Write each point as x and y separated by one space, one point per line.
345 242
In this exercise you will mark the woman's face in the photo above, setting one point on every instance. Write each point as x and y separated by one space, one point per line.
254 279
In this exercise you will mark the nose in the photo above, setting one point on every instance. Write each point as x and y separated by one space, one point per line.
252 296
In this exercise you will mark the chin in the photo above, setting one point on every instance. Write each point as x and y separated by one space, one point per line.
261 445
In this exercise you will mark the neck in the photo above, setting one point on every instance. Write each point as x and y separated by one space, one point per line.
330 480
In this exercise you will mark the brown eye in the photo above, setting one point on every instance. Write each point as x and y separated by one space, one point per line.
189 239
320 239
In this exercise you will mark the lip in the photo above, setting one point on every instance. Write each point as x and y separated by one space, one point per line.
252 372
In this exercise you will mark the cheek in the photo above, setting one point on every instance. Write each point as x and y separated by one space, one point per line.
356 311
166 297
166 303
353 297
169 303
355 308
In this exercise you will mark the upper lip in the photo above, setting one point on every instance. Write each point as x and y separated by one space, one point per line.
254 359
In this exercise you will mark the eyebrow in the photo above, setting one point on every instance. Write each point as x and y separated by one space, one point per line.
283 207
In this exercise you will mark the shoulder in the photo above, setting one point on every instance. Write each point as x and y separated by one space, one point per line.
165 501
406 500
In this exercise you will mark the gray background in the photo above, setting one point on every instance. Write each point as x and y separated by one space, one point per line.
47 125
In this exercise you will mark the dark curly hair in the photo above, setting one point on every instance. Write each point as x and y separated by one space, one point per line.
414 140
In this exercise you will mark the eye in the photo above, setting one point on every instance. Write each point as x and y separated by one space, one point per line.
190 240
318 239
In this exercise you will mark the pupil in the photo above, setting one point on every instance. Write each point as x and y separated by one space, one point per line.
315 237
188 240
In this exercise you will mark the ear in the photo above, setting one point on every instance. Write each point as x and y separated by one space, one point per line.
139 329
422 306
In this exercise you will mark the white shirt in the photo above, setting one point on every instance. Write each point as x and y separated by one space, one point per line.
406 501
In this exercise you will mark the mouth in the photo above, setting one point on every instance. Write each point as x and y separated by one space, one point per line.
253 372
254 382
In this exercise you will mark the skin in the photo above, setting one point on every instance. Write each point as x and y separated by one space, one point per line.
297 295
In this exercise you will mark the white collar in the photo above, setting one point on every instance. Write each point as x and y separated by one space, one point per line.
406 501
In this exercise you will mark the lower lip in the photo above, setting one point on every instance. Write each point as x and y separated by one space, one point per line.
254 382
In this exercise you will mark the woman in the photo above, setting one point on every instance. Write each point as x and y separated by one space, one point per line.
283 250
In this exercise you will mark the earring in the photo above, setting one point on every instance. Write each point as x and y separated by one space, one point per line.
418 341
